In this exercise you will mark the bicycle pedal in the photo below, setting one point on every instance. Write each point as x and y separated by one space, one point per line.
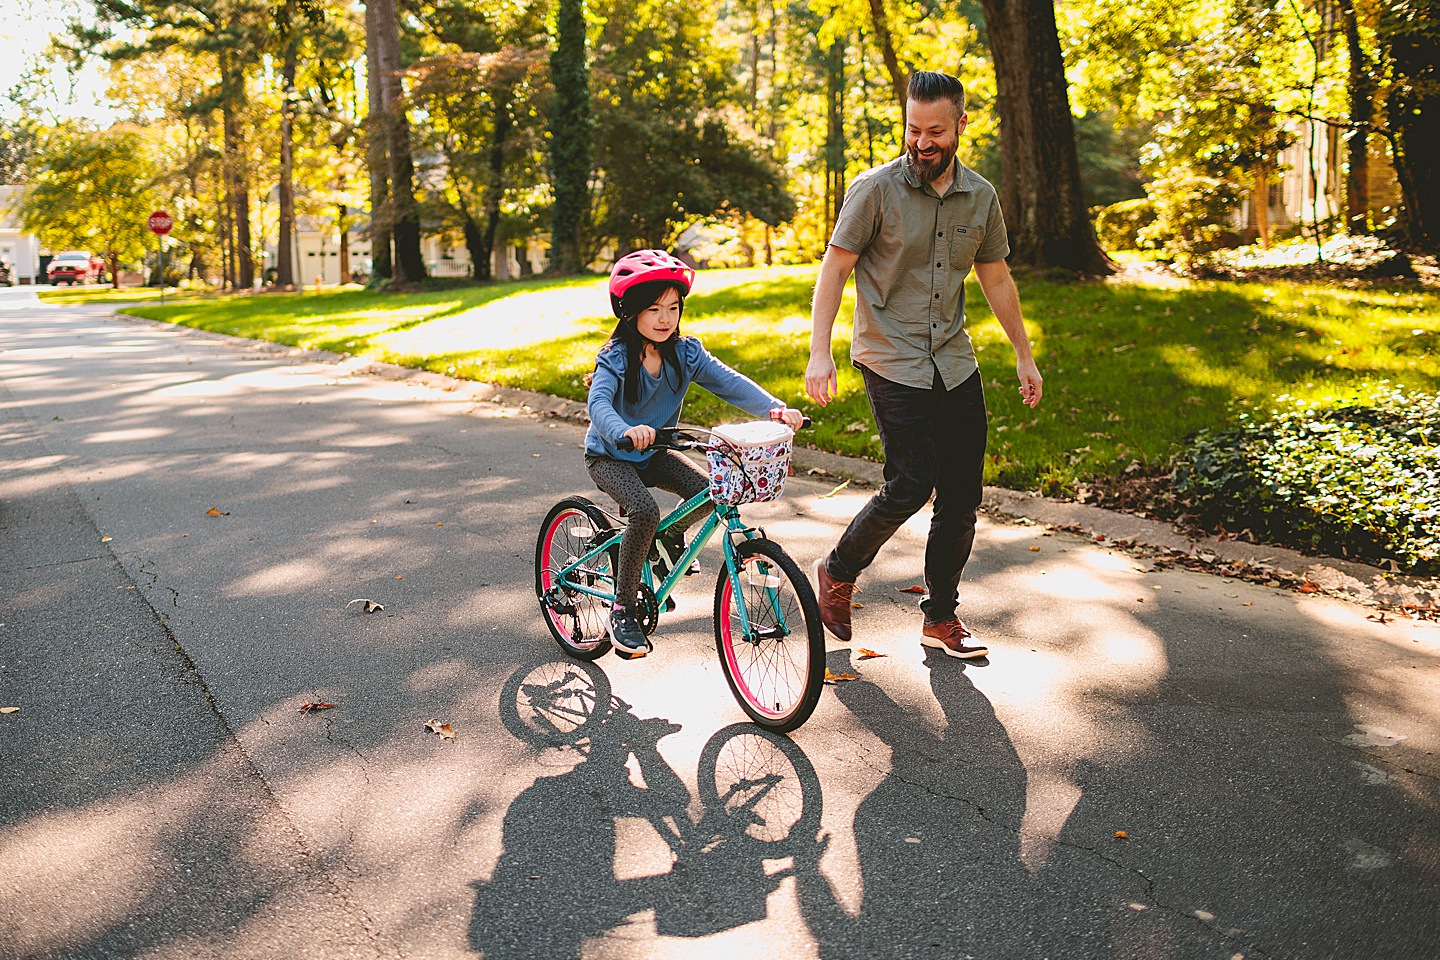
669 604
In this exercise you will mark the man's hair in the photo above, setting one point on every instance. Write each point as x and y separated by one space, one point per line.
928 86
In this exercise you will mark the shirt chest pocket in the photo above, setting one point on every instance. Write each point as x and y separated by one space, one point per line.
964 242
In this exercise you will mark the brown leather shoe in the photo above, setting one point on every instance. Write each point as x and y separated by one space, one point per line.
834 597
952 637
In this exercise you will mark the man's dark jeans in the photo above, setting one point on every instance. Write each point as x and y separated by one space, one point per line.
934 442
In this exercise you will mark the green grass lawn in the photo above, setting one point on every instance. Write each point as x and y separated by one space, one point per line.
104 294
1130 370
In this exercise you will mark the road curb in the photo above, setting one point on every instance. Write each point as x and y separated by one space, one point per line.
1277 566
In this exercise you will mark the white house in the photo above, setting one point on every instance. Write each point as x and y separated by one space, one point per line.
20 248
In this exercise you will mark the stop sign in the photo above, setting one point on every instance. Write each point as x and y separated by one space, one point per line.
160 222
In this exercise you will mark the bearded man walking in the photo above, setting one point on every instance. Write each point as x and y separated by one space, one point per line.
910 230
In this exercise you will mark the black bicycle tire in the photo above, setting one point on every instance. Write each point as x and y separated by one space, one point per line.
814 632
600 522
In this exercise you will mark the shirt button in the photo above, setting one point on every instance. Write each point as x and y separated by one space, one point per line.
934 326
937 296
940 234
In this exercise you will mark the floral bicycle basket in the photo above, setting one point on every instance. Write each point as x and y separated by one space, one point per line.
749 461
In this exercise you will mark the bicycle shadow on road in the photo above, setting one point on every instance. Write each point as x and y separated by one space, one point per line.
555 884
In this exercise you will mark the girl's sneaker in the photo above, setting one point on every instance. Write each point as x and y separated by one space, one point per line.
627 635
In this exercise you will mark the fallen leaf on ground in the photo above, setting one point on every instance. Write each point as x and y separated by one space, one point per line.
1034 548
1121 835
1380 617
826 496
838 677
865 654
1248 603
857 605
439 523
106 539
215 512
370 606
1309 586
307 707
914 589
9 709
435 726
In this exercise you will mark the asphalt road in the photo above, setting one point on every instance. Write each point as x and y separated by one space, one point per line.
1150 765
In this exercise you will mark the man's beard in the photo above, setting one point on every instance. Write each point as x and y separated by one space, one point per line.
930 170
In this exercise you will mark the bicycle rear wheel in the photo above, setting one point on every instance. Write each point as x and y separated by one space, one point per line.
576 620
776 670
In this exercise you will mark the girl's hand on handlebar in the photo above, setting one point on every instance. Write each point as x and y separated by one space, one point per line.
642 435
794 419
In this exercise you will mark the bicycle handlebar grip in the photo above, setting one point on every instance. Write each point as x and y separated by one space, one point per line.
626 444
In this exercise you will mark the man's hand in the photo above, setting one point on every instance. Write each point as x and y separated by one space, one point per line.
642 436
822 384
1032 385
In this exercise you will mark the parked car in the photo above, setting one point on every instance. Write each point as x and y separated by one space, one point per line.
75 266
5 276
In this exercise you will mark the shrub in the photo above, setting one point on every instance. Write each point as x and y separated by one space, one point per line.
1361 480
1118 226
1192 212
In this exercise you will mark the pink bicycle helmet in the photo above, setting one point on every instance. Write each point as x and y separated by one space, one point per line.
647 266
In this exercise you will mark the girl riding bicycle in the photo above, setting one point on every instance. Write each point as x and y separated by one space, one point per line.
638 385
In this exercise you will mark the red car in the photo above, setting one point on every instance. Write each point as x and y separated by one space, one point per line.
75 266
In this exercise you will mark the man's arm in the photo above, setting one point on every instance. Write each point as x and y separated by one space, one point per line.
821 381
1004 299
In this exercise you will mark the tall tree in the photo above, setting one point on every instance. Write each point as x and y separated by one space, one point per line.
570 151
404 213
377 155
287 14
1361 89
1410 31
1040 178
92 191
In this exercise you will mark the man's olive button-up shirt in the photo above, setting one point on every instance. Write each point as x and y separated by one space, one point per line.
910 316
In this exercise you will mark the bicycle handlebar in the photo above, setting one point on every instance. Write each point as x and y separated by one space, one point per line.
674 438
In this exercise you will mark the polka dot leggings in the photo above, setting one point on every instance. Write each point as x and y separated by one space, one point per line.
627 483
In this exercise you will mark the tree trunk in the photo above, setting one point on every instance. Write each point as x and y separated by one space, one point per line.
495 180
344 244
1413 111
570 154
1260 200
284 273
1040 178
899 79
834 134
239 199
377 155
409 265
1362 110
476 247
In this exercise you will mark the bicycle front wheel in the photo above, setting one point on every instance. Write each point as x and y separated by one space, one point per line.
769 637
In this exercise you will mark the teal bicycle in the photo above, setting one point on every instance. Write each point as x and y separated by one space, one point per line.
768 632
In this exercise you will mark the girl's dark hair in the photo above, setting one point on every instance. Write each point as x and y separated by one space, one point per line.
626 334
927 86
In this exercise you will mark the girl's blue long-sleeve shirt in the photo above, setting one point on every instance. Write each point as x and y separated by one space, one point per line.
660 397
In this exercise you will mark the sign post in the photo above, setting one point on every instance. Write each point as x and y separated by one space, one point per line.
160 223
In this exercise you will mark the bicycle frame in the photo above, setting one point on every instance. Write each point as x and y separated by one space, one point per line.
720 513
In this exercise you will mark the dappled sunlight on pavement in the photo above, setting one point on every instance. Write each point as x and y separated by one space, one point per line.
1262 752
